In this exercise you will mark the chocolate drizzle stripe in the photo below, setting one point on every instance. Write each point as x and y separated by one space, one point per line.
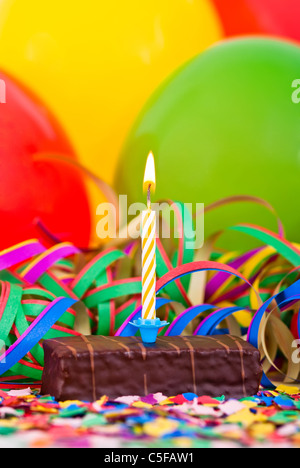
242 363
144 351
173 346
220 343
145 385
91 352
73 350
120 344
186 340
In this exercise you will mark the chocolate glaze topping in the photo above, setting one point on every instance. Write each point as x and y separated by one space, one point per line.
87 367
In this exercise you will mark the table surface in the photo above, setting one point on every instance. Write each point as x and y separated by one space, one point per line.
269 419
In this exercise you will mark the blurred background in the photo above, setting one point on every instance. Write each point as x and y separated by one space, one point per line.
91 88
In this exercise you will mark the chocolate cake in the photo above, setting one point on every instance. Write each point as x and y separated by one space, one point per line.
87 367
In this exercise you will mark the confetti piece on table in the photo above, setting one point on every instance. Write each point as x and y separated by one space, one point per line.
287 430
70 403
168 401
72 410
160 427
179 399
262 430
250 403
44 409
207 400
231 407
159 397
149 399
246 417
195 409
284 402
288 389
91 420
189 396
141 404
7 411
20 393
127 399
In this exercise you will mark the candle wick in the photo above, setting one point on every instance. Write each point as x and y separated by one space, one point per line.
149 197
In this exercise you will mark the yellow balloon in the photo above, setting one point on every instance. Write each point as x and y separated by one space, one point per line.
95 63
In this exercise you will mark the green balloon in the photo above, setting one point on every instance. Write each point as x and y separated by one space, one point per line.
226 123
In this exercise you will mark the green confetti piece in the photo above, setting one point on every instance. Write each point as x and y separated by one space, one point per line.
70 412
7 430
284 417
221 398
91 420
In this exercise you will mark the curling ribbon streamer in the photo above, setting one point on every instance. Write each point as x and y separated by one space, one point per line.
286 248
34 333
290 294
35 269
20 253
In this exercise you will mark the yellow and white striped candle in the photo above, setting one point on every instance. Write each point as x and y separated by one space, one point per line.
148 264
149 245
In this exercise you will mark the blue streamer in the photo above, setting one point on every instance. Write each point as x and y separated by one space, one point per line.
34 333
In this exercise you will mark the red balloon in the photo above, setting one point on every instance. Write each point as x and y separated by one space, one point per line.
278 18
32 187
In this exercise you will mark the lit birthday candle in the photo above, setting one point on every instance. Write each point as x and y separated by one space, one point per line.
147 323
149 245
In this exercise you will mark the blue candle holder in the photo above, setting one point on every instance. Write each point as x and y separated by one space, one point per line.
149 328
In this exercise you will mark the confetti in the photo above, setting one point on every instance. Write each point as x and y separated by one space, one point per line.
288 389
232 407
180 423
20 393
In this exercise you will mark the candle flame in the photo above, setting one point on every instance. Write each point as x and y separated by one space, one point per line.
149 176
